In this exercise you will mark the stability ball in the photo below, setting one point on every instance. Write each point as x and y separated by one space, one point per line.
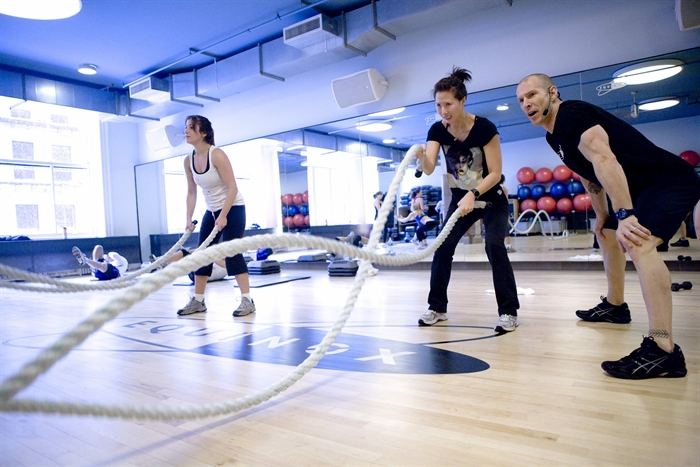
292 210
524 192
575 188
526 175
297 199
285 210
528 204
287 199
575 176
561 173
543 175
305 196
546 204
289 221
304 209
691 157
557 190
306 220
298 220
538 191
565 205
582 202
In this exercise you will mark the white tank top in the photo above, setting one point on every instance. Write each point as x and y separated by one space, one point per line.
213 187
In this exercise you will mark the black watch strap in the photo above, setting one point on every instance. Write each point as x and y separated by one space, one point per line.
476 193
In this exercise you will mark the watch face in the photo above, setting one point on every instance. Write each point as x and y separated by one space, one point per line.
622 214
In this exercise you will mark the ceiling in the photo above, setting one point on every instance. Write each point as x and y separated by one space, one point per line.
129 39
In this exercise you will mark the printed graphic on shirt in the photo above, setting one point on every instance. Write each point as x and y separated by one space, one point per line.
464 167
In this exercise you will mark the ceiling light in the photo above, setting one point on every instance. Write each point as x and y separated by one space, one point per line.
388 113
502 107
648 72
389 141
659 103
87 69
40 9
373 126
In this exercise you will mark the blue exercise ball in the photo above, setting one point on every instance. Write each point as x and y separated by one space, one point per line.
292 210
304 209
557 190
575 188
524 192
285 209
538 191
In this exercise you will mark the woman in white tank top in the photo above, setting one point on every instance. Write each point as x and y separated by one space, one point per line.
209 168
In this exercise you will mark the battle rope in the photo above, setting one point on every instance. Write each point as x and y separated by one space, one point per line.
49 356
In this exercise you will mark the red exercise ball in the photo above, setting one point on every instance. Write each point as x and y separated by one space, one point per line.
575 176
297 199
561 173
526 175
583 202
546 204
288 221
306 220
298 220
691 157
528 204
287 199
543 175
565 205
305 196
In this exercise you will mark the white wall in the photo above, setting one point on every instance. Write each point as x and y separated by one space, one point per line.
120 151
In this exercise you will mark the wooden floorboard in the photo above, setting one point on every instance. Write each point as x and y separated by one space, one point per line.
543 400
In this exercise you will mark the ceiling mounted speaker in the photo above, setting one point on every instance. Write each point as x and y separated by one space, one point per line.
359 88
163 138
688 14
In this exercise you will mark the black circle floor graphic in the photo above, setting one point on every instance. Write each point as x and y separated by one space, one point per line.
281 344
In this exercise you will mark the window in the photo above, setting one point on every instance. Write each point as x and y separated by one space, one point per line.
27 216
50 171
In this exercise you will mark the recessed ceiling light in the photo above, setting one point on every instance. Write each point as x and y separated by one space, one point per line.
373 126
387 113
40 9
389 141
659 103
87 69
502 107
648 72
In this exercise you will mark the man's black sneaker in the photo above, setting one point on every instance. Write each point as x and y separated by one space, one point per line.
662 247
604 312
648 361
681 242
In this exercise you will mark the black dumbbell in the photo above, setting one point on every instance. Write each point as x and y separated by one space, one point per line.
684 258
687 285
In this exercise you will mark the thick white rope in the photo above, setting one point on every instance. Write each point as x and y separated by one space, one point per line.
49 356
60 286
537 218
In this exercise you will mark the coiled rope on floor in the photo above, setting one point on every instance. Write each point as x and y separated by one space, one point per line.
49 356
537 218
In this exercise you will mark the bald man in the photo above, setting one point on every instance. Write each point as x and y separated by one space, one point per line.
640 193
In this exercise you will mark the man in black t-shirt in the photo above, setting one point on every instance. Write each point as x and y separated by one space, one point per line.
640 193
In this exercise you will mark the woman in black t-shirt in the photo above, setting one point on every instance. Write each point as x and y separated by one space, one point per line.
472 153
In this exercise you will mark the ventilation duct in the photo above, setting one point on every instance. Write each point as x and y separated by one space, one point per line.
309 32
151 89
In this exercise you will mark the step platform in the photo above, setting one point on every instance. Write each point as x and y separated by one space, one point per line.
343 268
264 267
311 258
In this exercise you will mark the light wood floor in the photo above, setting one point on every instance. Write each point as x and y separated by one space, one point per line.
543 401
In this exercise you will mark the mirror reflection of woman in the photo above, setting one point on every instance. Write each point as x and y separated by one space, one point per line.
209 168
424 223
473 161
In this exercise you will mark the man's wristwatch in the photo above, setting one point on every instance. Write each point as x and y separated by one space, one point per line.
476 193
624 213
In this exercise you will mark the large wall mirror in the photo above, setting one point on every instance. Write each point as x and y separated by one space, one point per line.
322 179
